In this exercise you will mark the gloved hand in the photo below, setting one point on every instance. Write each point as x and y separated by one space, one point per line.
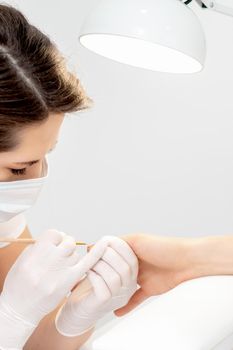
37 282
113 280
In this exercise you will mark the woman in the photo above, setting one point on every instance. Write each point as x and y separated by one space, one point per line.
40 305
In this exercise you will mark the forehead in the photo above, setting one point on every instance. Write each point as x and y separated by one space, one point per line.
34 141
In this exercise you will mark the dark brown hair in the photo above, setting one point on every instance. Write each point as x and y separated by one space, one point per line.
34 81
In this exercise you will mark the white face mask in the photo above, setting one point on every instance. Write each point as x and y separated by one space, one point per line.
18 196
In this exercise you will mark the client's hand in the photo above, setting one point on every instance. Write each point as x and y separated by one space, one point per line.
113 280
164 263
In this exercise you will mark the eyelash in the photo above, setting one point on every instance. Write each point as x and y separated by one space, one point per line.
20 172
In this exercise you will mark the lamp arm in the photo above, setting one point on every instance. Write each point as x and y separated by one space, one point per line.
222 6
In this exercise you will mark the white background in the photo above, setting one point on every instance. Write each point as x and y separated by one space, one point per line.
155 154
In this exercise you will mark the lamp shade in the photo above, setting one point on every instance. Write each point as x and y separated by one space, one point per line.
160 35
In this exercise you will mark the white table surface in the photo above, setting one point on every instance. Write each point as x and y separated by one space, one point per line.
197 315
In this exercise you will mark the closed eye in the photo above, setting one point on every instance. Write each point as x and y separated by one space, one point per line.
19 171
22 171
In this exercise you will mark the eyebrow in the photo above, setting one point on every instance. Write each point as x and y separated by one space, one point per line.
28 163
35 161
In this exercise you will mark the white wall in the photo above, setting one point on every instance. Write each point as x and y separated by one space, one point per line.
156 152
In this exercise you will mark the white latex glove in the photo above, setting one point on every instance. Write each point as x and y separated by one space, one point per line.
113 280
37 282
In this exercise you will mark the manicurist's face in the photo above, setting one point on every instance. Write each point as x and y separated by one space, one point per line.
26 160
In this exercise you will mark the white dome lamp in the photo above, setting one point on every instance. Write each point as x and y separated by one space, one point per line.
160 35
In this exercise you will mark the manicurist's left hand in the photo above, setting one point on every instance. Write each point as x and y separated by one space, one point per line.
113 280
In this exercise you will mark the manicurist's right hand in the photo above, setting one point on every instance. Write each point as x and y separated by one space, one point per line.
38 281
